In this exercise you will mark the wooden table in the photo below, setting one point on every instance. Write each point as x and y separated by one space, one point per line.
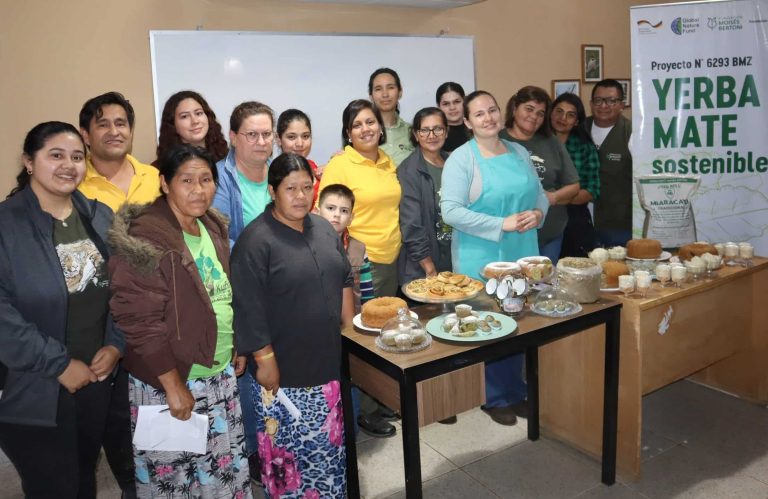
406 370
713 330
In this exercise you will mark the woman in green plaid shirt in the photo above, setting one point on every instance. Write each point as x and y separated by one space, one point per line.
567 119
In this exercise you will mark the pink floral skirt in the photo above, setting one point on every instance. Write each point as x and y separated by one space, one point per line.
302 458
222 472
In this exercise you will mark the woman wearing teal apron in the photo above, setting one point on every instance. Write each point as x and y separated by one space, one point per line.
493 199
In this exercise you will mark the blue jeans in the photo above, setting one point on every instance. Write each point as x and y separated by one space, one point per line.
504 385
552 249
245 384
609 238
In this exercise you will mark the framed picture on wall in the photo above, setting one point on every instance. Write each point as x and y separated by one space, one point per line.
591 63
560 87
625 84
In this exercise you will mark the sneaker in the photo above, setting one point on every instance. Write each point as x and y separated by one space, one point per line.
502 415
450 420
374 426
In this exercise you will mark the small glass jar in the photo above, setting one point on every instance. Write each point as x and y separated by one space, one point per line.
663 273
746 253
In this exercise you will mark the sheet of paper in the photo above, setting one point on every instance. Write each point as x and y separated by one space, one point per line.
292 409
157 430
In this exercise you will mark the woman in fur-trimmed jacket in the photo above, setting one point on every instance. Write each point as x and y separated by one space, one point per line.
172 297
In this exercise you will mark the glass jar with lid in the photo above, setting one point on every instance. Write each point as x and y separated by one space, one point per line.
403 334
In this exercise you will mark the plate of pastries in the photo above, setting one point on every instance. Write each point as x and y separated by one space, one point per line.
445 287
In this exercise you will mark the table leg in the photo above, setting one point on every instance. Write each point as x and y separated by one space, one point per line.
410 423
353 482
611 397
532 378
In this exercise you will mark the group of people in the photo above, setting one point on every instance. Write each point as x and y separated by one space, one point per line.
220 275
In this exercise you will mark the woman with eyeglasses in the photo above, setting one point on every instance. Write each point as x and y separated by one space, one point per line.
450 99
493 199
527 124
426 238
568 121
242 194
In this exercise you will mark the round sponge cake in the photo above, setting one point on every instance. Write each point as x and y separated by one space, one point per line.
376 312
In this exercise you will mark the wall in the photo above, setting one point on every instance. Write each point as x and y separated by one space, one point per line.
55 55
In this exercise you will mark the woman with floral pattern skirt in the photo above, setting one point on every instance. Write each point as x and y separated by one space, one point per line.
173 299
290 277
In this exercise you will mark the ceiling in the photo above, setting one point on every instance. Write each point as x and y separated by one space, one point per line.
428 4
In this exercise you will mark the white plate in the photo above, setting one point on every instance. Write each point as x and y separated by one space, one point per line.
609 290
358 322
665 255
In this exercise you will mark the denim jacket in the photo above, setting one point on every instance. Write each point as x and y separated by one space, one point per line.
229 199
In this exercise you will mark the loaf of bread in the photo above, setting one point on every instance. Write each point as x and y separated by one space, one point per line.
643 248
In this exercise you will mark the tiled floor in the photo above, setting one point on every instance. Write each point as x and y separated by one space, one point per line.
697 443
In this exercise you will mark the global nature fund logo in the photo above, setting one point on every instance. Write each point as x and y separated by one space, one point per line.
684 25
646 27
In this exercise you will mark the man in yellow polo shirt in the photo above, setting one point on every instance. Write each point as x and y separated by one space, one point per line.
113 176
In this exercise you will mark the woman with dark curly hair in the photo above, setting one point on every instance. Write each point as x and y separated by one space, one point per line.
188 119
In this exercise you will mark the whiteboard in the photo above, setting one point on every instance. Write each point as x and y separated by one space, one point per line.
317 73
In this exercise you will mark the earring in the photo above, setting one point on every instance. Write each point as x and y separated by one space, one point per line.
349 140
381 133
29 171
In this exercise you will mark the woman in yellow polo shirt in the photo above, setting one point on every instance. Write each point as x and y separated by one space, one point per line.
370 173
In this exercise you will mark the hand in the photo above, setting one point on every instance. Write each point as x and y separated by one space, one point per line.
319 172
551 197
104 361
180 402
428 266
267 373
76 376
511 223
528 220
241 361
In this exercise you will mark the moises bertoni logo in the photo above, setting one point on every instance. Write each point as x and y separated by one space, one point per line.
646 27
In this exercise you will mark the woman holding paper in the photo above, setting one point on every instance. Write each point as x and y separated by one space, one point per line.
172 298
58 343
290 276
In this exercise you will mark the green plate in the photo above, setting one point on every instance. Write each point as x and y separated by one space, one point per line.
508 326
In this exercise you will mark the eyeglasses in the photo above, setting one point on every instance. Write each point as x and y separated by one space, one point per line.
437 131
608 101
253 137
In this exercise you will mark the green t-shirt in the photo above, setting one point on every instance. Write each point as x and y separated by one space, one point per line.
255 197
215 281
86 277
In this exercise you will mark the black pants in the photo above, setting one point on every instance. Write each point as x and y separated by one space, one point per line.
579 236
117 435
60 462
